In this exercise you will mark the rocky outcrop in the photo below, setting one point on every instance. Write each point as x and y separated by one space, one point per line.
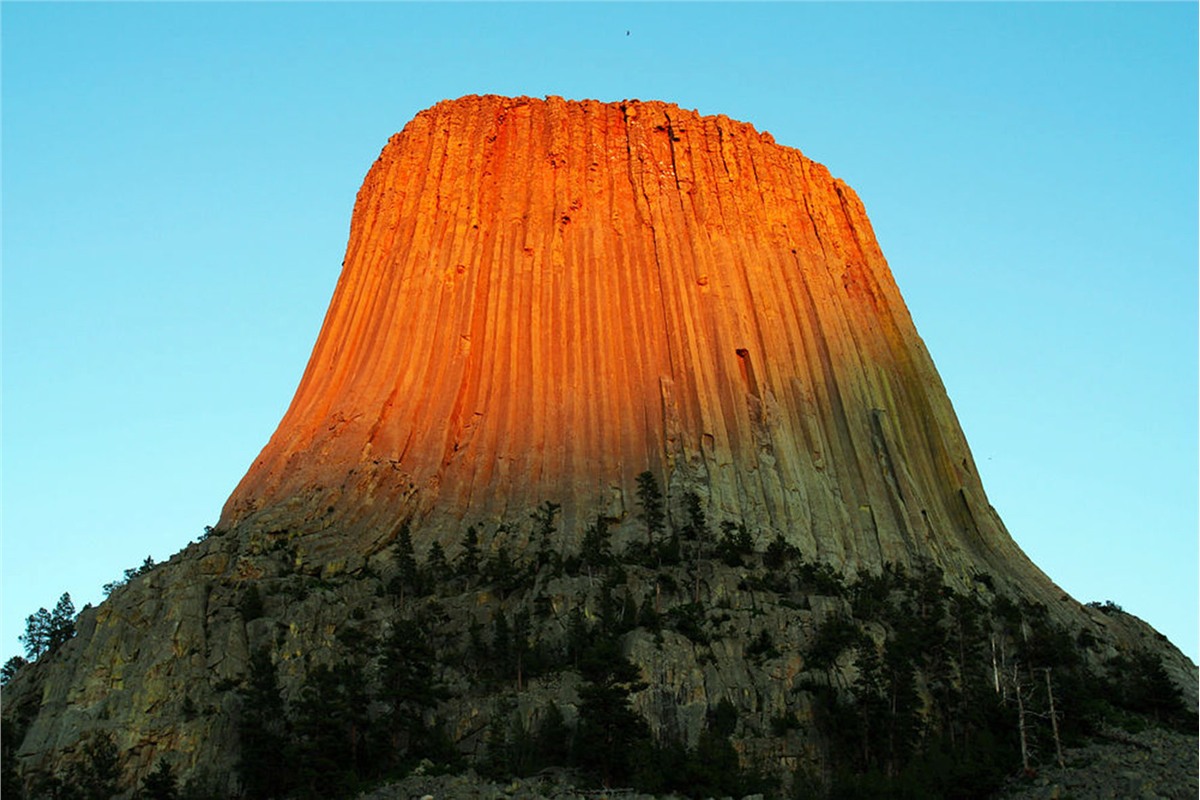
542 298
1150 764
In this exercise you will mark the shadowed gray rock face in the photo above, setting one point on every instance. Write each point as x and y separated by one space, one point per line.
541 300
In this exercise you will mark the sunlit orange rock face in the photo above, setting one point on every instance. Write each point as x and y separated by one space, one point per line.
543 298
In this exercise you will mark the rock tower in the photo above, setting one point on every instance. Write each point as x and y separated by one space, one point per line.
542 298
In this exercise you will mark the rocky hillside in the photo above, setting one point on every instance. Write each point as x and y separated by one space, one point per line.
701 661
1154 764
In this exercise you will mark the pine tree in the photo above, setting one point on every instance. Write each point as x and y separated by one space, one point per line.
36 637
578 636
333 750
408 687
552 739
160 784
262 767
521 651
651 500
436 568
98 776
502 646
697 523
10 669
596 550
406 583
610 731
544 529
696 532
468 559
779 552
62 622
501 572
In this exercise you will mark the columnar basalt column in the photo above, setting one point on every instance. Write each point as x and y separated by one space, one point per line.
543 298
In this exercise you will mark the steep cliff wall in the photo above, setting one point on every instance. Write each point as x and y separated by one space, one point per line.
541 299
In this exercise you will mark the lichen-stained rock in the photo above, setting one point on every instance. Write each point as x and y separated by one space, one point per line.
543 298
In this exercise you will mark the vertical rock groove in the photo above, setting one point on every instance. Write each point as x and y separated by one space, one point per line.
543 298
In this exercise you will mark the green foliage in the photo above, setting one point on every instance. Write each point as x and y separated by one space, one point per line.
10 669
98 775
467 564
971 659
695 530
160 784
596 550
651 501
331 732
669 552
710 769
819 579
1107 607
617 614
552 739
62 622
202 786
579 636
648 617
543 532
351 722
503 661
781 724
129 575
610 733
36 637
263 768
46 631
407 581
688 619
188 707
407 685
779 553
832 638
11 785
714 771
437 570
735 543
762 647
1140 684
502 573
497 762
513 749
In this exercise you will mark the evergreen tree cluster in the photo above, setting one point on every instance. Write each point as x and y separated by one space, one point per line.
350 724
128 575
46 631
961 692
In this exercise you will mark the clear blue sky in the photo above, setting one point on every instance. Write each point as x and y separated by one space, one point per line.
178 181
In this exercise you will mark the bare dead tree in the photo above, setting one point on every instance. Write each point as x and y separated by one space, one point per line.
1021 722
1054 721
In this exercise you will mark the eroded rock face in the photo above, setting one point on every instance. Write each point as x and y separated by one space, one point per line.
542 298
